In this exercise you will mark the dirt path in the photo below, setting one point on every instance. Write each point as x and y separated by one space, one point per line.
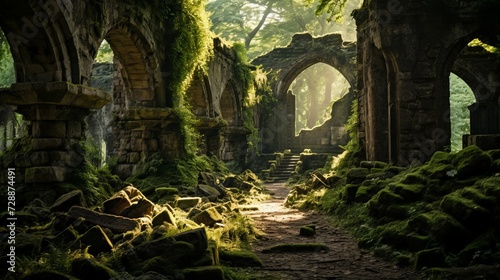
344 260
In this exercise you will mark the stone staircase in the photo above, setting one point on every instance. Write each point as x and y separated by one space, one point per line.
286 167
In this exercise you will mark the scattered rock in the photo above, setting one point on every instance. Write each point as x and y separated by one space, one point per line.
164 216
208 191
196 237
96 240
357 175
143 207
65 201
208 217
187 202
297 248
430 258
113 222
309 230
117 203
203 273
240 258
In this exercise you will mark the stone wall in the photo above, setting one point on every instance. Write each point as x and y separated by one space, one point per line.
406 51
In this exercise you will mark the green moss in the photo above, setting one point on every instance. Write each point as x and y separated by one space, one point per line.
414 178
240 258
409 192
307 230
466 211
490 186
203 273
393 233
297 248
472 161
478 197
477 249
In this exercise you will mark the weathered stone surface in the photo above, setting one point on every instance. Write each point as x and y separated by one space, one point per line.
141 208
133 193
357 175
117 203
210 192
187 202
96 240
164 216
45 174
208 217
115 223
65 201
196 237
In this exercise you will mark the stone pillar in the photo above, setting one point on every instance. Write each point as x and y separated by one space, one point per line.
56 113
484 125
234 144
140 133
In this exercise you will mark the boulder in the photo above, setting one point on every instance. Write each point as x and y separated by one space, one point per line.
240 258
133 193
96 240
430 258
187 202
203 273
196 237
357 175
164 216
143 207
113 222
210 192
65 201
117 203
309 230
209 217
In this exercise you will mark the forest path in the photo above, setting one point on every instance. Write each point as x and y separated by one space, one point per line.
344 260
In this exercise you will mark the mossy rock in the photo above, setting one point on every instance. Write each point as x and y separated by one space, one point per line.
357 175
446 229
494 154
473 216
478 197
394 170
393 233
416 242
491 187
373 164
204 273
388 197
438 170
409 192
473 250
414 178
297 248
240 258
430 258
349 193
89 269
309 230
472 161
166 191
441 157
365 193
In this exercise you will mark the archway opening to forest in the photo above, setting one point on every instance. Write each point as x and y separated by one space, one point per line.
316 89
461 97
99 121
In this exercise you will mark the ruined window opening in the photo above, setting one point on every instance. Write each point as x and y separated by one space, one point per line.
461 97
7 75
99 120
316 89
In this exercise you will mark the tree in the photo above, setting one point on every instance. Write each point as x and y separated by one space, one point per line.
7 76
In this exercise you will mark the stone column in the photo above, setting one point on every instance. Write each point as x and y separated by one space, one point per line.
56 113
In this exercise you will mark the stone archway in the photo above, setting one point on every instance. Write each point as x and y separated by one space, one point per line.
286 64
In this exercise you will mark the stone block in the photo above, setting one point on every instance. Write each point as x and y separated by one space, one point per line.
142 208
43 144
46 174
49 129
96 240
40 158
164 216
117 203
187 202
196 237
147 134
115 223
136 134
134 157
209 217
133 193
66 201
74 129
152 145
23 160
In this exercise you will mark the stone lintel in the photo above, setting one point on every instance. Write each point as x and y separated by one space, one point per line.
56 93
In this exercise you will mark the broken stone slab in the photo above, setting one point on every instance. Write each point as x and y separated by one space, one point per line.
209 217
113 222
96 240
117 203
133 193
197 237
164 216
142 208
210 192
65 201
187 202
